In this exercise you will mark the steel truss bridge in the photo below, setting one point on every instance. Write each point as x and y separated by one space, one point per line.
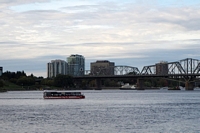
118 70
185 66
187 70
188 66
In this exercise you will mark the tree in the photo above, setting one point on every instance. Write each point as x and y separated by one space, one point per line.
12 75
1 83
147 84
1 86
110 83
26 81
19 74
47 82
63 81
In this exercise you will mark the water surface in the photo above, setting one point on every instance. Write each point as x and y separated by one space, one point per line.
102 111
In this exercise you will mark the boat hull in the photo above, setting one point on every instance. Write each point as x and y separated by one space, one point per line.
127 88
64 97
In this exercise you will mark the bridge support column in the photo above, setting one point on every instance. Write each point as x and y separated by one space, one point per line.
140 84
98 84
189 85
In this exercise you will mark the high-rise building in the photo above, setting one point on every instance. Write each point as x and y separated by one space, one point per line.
1 71
162 68
102 67
56 67
76 65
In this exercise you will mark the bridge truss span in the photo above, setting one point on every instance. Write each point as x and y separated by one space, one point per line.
185 66
191 66
149 70
126 70
115 70
175 68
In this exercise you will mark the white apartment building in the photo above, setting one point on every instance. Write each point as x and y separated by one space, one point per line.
56 67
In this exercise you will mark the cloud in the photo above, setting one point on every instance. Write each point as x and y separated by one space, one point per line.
20 2
127 31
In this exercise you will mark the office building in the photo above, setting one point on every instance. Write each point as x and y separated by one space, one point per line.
162 68
56 67
102 67
1 71
76 65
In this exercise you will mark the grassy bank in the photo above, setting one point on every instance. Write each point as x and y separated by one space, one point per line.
9 86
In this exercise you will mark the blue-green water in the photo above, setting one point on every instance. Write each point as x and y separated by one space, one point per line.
103 111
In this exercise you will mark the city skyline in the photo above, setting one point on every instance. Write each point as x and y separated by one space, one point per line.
129 32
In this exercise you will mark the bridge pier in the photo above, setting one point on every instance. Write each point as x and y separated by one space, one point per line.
98 84
189 85
140 84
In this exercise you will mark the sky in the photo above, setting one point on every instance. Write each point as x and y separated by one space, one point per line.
133 33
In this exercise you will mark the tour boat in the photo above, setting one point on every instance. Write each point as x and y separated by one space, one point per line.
62 95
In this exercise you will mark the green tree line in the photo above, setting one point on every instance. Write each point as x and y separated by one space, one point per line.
21 79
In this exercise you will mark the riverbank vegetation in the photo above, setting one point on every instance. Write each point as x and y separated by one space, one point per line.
10 81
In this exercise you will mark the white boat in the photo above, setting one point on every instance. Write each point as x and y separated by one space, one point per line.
127 86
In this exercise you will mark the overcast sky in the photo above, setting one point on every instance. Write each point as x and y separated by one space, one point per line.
128 32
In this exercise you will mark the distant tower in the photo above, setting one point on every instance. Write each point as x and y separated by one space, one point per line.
56 67
1 71
102 67
162 68
76 65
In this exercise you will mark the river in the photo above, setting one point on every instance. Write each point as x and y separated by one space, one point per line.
102 111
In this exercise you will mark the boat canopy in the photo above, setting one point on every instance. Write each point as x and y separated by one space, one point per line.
61 93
